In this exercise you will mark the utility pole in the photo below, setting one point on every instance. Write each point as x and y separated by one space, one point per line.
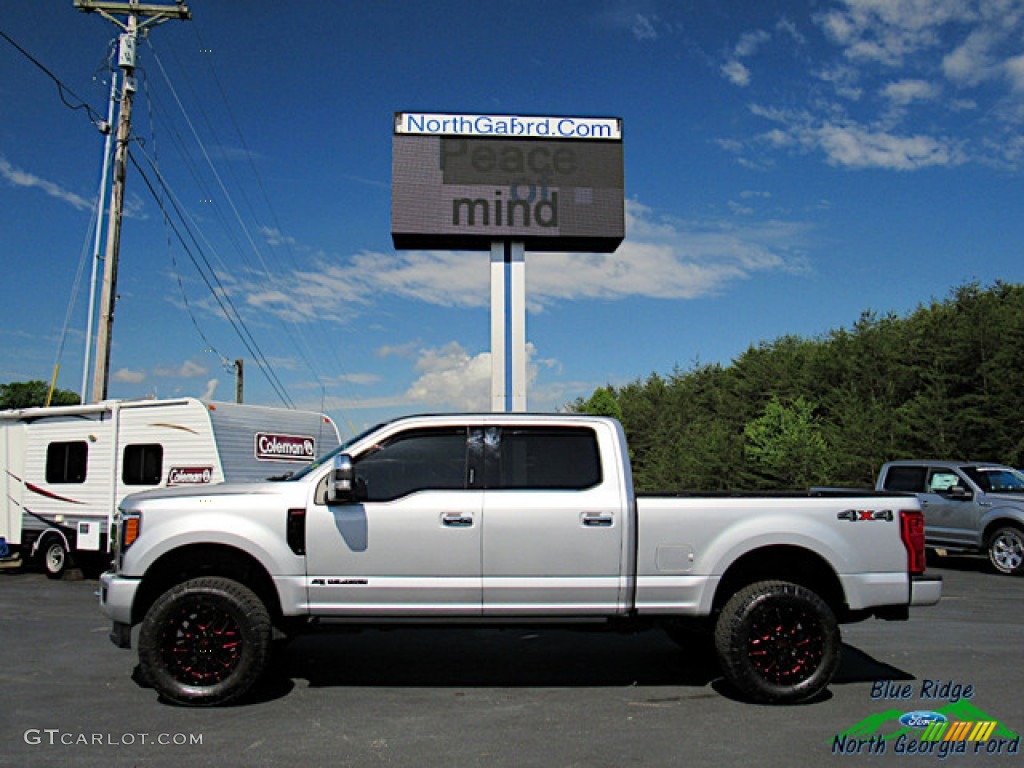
239 380
139 16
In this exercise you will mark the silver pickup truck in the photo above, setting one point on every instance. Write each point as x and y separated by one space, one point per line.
502 518
972 507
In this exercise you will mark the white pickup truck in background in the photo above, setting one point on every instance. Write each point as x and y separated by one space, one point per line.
503 518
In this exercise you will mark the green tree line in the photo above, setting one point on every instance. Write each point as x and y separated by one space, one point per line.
944 382
27 394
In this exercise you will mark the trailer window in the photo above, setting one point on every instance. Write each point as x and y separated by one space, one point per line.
66 462
142 464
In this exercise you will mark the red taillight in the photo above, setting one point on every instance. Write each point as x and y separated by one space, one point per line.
912 533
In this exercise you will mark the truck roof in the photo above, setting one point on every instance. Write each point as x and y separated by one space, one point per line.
945 463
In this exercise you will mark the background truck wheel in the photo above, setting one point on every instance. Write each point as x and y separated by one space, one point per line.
1006 550
55 557
777 642
205 642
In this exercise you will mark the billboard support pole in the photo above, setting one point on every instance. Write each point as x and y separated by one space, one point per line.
508 326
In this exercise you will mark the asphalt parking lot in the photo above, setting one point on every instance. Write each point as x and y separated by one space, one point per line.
513 697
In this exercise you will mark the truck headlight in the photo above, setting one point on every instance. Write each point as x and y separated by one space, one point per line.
128 526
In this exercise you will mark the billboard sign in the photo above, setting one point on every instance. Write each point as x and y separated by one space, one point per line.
465 181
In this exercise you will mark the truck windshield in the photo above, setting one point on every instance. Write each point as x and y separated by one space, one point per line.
996 479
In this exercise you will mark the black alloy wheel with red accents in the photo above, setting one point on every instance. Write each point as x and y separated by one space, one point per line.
778 642
205 641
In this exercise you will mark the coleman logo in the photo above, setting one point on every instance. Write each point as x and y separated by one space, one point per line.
284 447
189 475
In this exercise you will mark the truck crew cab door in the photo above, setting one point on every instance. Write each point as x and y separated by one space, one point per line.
410 545
554 524
951 509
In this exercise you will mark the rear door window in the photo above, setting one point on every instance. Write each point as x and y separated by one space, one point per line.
546 459
906 479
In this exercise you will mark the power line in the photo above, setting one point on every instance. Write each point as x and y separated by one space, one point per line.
209 276
62 88
234 210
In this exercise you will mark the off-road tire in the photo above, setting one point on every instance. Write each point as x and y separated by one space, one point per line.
205 642
777 642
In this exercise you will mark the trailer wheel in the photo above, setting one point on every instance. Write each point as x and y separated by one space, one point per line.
205 642
778 642
55 557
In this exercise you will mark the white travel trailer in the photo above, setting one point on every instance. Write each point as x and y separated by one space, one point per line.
64 469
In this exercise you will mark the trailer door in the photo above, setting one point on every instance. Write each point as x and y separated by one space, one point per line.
12 466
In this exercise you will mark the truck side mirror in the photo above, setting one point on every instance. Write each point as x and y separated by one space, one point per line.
341 485
959 493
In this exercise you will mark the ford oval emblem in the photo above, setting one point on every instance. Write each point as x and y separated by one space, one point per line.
922 719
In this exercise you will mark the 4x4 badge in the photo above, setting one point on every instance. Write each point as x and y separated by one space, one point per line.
856 515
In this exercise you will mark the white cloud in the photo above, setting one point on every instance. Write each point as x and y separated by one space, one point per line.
857 147
749 42
211 387
276 237
971 62
736 73
853 145
20 178
844 79
887 31
905 92
127 376
643 27
660 258
361 379
186 370
1015 72
451 377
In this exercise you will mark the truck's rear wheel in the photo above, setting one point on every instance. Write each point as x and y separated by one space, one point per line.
1006 550
205 641
778 642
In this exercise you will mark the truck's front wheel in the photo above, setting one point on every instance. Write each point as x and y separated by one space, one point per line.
205 641
778 642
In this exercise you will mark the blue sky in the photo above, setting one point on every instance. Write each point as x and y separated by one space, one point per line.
788 166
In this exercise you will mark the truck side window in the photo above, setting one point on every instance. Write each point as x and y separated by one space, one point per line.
942 480
420 460
538 457
142 464
906 479
66 462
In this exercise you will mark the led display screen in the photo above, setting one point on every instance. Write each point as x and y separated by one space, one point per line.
462 182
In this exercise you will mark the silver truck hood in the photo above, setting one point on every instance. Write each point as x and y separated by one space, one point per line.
206 491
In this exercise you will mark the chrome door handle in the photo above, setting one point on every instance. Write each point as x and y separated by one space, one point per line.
596 520
456 520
